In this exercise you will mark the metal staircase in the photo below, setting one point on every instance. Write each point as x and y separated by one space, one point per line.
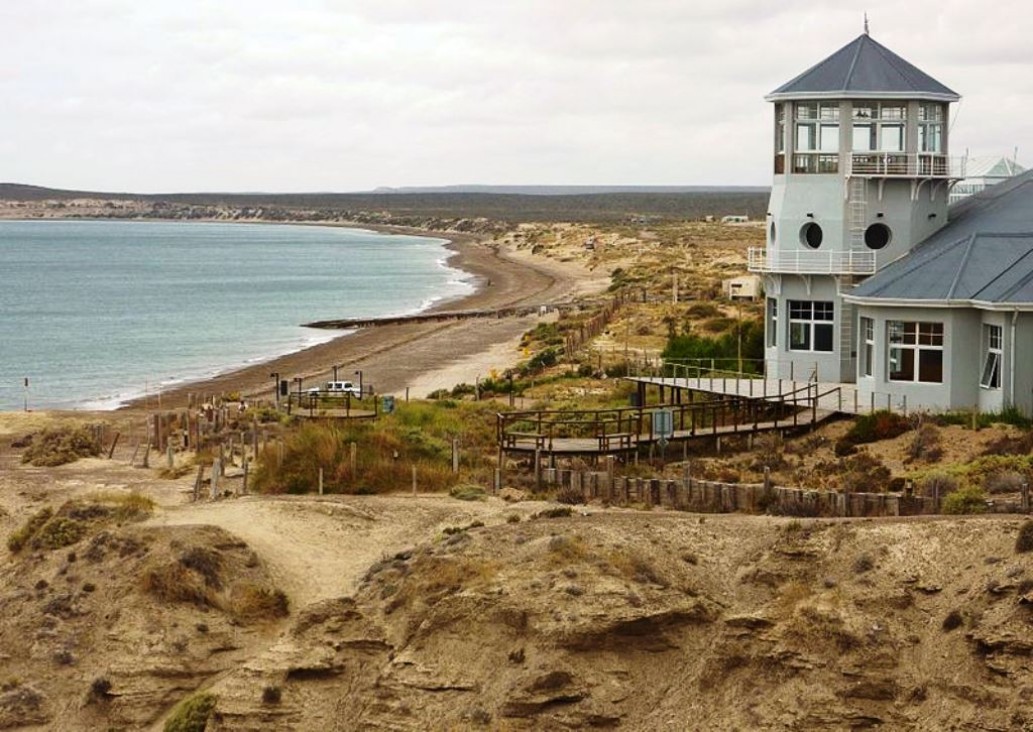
857 219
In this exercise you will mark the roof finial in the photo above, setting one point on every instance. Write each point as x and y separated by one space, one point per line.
866 23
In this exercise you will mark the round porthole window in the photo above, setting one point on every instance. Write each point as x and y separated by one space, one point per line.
811 235
877 236
772 232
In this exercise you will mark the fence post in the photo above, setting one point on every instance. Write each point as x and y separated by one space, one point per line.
216 473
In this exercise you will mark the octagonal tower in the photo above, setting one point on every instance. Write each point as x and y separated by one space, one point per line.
861 174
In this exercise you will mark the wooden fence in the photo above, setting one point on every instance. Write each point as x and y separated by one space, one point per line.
704 496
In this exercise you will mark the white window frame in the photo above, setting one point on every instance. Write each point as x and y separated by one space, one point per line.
930 128
867 328
877 117
920 339
809 317
993 356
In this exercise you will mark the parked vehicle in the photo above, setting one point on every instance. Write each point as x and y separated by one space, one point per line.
337 387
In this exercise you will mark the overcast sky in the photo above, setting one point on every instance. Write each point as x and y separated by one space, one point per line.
345 95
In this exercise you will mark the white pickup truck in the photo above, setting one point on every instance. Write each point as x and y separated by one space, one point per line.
337 387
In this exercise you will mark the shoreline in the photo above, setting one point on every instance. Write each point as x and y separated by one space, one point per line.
395 357
398 358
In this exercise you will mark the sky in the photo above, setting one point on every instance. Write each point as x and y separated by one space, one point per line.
348 95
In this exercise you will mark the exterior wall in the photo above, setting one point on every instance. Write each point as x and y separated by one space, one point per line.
795 196
909 221
781 363
964 353
879 391
1018 356
990 400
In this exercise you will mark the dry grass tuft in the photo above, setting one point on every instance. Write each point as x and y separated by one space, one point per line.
252 603
634 567
205 562
173 582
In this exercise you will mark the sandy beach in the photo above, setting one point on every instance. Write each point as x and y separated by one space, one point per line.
421 356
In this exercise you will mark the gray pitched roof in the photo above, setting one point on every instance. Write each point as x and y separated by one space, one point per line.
984 255
864 68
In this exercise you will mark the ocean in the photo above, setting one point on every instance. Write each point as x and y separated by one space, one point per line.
95 313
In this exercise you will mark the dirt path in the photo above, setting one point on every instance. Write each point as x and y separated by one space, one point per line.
319 548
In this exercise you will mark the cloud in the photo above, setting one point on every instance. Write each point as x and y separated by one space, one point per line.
352 94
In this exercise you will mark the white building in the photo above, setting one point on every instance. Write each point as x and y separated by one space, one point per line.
866 281
978 174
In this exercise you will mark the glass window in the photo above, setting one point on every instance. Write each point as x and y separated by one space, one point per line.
992 352
829 138
879 126
864 137
868 346
915 351
930 137
892 138
806 136
811 326
772 322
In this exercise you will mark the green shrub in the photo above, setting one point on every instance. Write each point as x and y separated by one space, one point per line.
59 532
880 425
18 539
61 445
969 499
191 714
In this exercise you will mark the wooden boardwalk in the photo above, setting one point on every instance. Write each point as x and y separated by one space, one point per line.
612 444
831 396
626 429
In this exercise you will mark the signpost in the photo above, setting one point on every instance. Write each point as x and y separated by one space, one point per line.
663 428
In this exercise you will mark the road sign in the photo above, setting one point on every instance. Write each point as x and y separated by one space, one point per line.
663 423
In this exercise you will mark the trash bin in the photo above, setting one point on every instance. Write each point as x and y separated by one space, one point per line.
387 404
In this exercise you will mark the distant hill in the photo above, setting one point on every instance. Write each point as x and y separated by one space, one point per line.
575 203
571 190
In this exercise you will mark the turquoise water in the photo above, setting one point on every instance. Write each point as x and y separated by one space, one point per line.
94 313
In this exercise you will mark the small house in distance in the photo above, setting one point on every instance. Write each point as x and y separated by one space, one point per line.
746 287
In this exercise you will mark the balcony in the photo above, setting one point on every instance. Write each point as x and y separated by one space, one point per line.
906 165
811 262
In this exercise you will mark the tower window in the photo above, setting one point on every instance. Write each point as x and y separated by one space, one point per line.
879 126
772 231
816 131
877 236
930 128
811 235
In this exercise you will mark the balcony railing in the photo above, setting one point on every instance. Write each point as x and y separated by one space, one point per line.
906 165
804 262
